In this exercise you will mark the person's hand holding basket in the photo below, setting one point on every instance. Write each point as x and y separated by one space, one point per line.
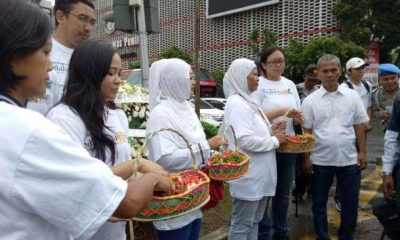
299 143
229 164
190 188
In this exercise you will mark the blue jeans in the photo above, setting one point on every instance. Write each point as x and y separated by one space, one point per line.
245 218
348 181
188 232
280 202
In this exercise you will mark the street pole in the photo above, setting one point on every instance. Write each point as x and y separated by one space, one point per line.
144 56
197 57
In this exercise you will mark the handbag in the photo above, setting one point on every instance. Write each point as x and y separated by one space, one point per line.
387 210
388 214
216 190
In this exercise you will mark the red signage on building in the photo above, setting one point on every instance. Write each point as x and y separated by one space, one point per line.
371 71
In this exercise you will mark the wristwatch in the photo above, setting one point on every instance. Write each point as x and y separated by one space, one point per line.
383 173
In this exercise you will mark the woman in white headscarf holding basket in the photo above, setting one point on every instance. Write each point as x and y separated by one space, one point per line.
254 136
170 87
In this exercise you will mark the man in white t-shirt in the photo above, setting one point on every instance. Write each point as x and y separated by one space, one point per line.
75 20
355 70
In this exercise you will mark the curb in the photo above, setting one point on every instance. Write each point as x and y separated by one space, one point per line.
219 234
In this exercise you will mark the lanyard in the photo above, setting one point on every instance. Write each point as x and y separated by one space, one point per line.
266 121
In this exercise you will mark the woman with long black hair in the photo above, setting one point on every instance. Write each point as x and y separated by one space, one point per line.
88 114
50 187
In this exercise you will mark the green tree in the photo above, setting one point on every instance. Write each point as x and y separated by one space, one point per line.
299 56
209 130
175 52
218 75
370 19
260 40
134 64
296 65
137 64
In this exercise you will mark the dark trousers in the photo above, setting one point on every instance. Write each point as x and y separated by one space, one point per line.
348 181
188 232
302 179
280 202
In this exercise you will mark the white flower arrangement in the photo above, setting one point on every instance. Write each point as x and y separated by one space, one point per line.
136 146
137 114
134 101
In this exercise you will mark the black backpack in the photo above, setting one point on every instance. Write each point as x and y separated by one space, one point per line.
350 85
387 210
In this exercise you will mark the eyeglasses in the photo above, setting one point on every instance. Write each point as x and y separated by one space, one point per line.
278 62
84 19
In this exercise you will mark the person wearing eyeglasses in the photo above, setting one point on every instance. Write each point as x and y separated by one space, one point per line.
75 21
277 95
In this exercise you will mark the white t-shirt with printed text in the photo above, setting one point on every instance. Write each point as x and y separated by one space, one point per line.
278 94
116 120
50 187
60 56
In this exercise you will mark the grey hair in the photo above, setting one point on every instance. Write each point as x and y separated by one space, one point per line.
328 57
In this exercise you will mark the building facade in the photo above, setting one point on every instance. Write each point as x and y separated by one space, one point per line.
223 38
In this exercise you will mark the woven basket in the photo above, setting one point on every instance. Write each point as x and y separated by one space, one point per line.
166 207
228 171
296 147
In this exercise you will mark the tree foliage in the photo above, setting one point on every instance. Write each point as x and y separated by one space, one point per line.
137 64
175 52
218 75
260 40
299 55
134 65
364 20
209 130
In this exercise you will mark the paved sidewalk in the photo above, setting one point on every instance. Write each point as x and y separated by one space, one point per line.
368 227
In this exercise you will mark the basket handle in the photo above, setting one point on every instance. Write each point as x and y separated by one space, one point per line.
152 134
234 136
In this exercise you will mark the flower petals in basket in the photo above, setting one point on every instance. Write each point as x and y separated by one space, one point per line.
229 165
191 191
298 144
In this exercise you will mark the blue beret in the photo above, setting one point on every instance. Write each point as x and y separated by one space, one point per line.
387 69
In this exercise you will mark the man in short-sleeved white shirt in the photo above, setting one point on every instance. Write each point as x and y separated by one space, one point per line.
335 116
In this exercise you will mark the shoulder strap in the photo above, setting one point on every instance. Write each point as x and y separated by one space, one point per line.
376 95
365 85
349 84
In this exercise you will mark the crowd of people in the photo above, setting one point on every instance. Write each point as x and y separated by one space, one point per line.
66 160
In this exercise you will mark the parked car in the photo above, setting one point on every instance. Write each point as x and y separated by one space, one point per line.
216 102
132 76
208 112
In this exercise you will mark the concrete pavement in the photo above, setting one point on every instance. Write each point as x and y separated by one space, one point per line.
368 227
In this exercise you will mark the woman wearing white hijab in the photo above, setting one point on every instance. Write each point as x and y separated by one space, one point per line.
253 133
170 88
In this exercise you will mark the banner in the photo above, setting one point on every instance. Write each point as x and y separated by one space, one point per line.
371 71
